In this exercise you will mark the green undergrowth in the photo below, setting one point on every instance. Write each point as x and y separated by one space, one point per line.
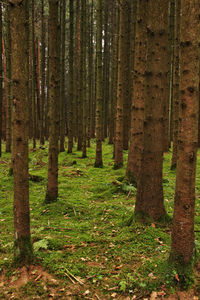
91 231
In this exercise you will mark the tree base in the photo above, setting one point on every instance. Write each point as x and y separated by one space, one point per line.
23 251
50 199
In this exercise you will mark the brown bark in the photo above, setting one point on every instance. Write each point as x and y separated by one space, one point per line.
99 99
19 58
149 200
139 95
182 246
63 100
71 78
123 95
54 95
176 85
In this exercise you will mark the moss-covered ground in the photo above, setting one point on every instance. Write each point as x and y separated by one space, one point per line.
89 237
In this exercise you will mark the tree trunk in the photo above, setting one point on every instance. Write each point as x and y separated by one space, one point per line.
123 92
149 199
54 93
182 246
1 78
19 60
63 100
176 85
99 97
139 95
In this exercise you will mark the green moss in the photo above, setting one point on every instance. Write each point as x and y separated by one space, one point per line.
23 251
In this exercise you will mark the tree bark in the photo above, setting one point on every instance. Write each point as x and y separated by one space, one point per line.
182 246
19 51
54 94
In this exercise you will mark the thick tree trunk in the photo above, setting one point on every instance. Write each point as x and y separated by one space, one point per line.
149 200
19 59
182 246
54 94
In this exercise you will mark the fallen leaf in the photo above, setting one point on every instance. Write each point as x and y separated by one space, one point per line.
177 278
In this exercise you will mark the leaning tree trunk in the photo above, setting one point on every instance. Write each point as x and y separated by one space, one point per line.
99 97
19 59
54 94
182 247
149 200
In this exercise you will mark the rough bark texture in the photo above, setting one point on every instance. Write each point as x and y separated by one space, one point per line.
149 198
182 247
33 76
43 45
99 97
52 185
19 51
176 84
139 95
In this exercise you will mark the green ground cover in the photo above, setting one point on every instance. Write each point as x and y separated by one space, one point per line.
89 236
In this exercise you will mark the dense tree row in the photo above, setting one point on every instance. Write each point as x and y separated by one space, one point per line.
124 70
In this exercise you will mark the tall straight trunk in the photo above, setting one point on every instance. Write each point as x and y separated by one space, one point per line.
149 199
1 78
43 46
113 72
63 100
47 89
71 78
33 76
172 45
99 98
8 74
105 69
79 102
19 58
176 85
127 78
38 90
139 95
83 75
54 74
182 246
123 95
90 73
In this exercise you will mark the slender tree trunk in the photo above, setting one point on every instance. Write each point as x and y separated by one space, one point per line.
114 61
33 76
83 76
182 246
63 100
123 95
149 199
54 74
139 95
1 78
8 65
71 78
43 45
19 58
99 98
176 85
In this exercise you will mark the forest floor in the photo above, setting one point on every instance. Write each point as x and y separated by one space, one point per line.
88 245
